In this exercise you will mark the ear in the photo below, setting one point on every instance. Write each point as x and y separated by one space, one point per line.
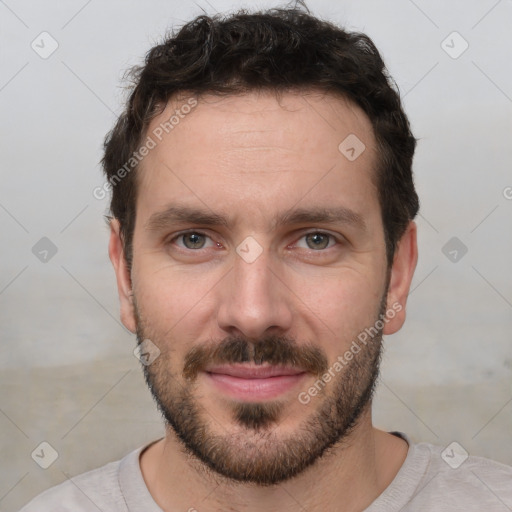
124 285
402 271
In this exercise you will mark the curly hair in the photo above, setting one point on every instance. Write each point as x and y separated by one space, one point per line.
278 50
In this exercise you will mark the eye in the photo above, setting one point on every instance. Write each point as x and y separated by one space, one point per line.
196 240
192 240
318 240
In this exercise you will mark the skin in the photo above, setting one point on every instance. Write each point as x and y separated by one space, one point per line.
250 157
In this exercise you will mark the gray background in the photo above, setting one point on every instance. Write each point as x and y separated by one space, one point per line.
68 375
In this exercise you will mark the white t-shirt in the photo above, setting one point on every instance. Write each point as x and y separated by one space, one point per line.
426 482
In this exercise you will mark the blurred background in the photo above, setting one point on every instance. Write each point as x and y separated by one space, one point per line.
68 375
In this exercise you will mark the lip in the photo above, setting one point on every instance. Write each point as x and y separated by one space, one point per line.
254 371
253 383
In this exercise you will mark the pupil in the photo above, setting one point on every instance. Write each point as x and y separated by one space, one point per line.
194 239
319 240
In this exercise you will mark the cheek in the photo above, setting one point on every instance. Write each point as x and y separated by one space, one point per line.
173 301
340 305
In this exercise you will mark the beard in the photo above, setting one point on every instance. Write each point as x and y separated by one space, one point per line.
251 451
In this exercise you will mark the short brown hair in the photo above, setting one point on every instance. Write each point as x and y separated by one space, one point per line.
277 50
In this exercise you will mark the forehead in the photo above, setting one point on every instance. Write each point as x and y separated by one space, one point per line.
256 150
292 117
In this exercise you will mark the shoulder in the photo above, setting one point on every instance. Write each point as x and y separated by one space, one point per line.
454 461
89 492
457 480
446 479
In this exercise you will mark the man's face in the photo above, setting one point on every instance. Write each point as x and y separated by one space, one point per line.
266 290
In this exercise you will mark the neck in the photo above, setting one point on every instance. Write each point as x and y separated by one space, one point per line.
348 478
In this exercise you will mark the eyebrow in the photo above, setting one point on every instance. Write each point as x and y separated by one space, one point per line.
181 213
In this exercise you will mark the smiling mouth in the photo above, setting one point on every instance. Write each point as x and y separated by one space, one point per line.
254 382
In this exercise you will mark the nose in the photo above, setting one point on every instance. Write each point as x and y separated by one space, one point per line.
255 301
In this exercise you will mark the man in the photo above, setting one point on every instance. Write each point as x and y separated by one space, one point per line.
263 241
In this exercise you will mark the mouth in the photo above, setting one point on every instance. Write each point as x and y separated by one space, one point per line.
254 382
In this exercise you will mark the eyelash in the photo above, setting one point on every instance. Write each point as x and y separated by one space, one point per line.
197 232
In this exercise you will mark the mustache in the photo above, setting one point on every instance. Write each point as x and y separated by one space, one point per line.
274 350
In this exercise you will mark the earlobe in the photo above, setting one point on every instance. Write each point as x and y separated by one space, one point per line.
404 264
123 278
